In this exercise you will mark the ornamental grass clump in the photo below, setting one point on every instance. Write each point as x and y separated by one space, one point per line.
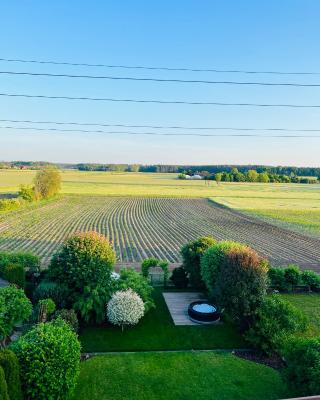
125 308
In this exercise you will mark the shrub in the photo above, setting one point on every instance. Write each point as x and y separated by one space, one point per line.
10 365
191 254
311 279
276 318
131 279
154 263
15 273
27 193
277 279
241 285
180 278
292 275
14 307
10 204
125 308
51 290
70 317
49 357
302 356
28 260
212 259
45 307
3 386
84 266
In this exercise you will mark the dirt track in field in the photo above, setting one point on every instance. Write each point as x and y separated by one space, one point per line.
146 227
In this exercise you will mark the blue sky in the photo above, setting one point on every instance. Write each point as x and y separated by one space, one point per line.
249 35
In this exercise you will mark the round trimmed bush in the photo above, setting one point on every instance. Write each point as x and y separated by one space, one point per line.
191 254
125 308
10 365
302 356
49 357
212 259
275 320
179 277
241 285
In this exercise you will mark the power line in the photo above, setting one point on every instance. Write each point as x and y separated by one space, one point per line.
201 103
18 60
159 80
157 133
159 126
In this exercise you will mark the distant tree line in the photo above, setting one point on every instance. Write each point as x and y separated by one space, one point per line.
253 175
273 172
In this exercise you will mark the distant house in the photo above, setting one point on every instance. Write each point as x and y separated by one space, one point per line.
193 177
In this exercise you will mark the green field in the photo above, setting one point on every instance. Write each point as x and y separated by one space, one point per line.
177 376
293 205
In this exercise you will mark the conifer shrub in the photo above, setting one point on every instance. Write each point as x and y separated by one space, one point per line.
10 365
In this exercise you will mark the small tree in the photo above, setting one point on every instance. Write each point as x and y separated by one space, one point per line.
311 279
276 318
49 356
218 177
47 182
212 260
84 265
292 275
191 254
14 307
131 279
179 277
155 263
125 308
241 285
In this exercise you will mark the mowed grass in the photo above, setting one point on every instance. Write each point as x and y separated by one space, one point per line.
292 211
292 205
309 303
156 331
177 376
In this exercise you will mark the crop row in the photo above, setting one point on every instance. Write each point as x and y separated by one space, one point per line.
149 227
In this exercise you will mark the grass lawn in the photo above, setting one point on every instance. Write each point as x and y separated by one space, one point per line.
175 376
310 305
156 331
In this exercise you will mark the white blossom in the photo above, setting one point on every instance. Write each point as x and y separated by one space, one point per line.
125 308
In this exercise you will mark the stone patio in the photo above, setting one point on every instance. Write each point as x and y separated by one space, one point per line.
178 303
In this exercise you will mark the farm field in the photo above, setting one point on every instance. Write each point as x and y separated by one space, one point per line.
144 227
293 206
173 376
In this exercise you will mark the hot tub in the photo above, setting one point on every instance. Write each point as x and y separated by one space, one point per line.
203 312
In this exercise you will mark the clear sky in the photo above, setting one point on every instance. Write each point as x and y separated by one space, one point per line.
268 35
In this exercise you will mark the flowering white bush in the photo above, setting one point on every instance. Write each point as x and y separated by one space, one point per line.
125 308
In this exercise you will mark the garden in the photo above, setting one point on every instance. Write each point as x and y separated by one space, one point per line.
63 329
